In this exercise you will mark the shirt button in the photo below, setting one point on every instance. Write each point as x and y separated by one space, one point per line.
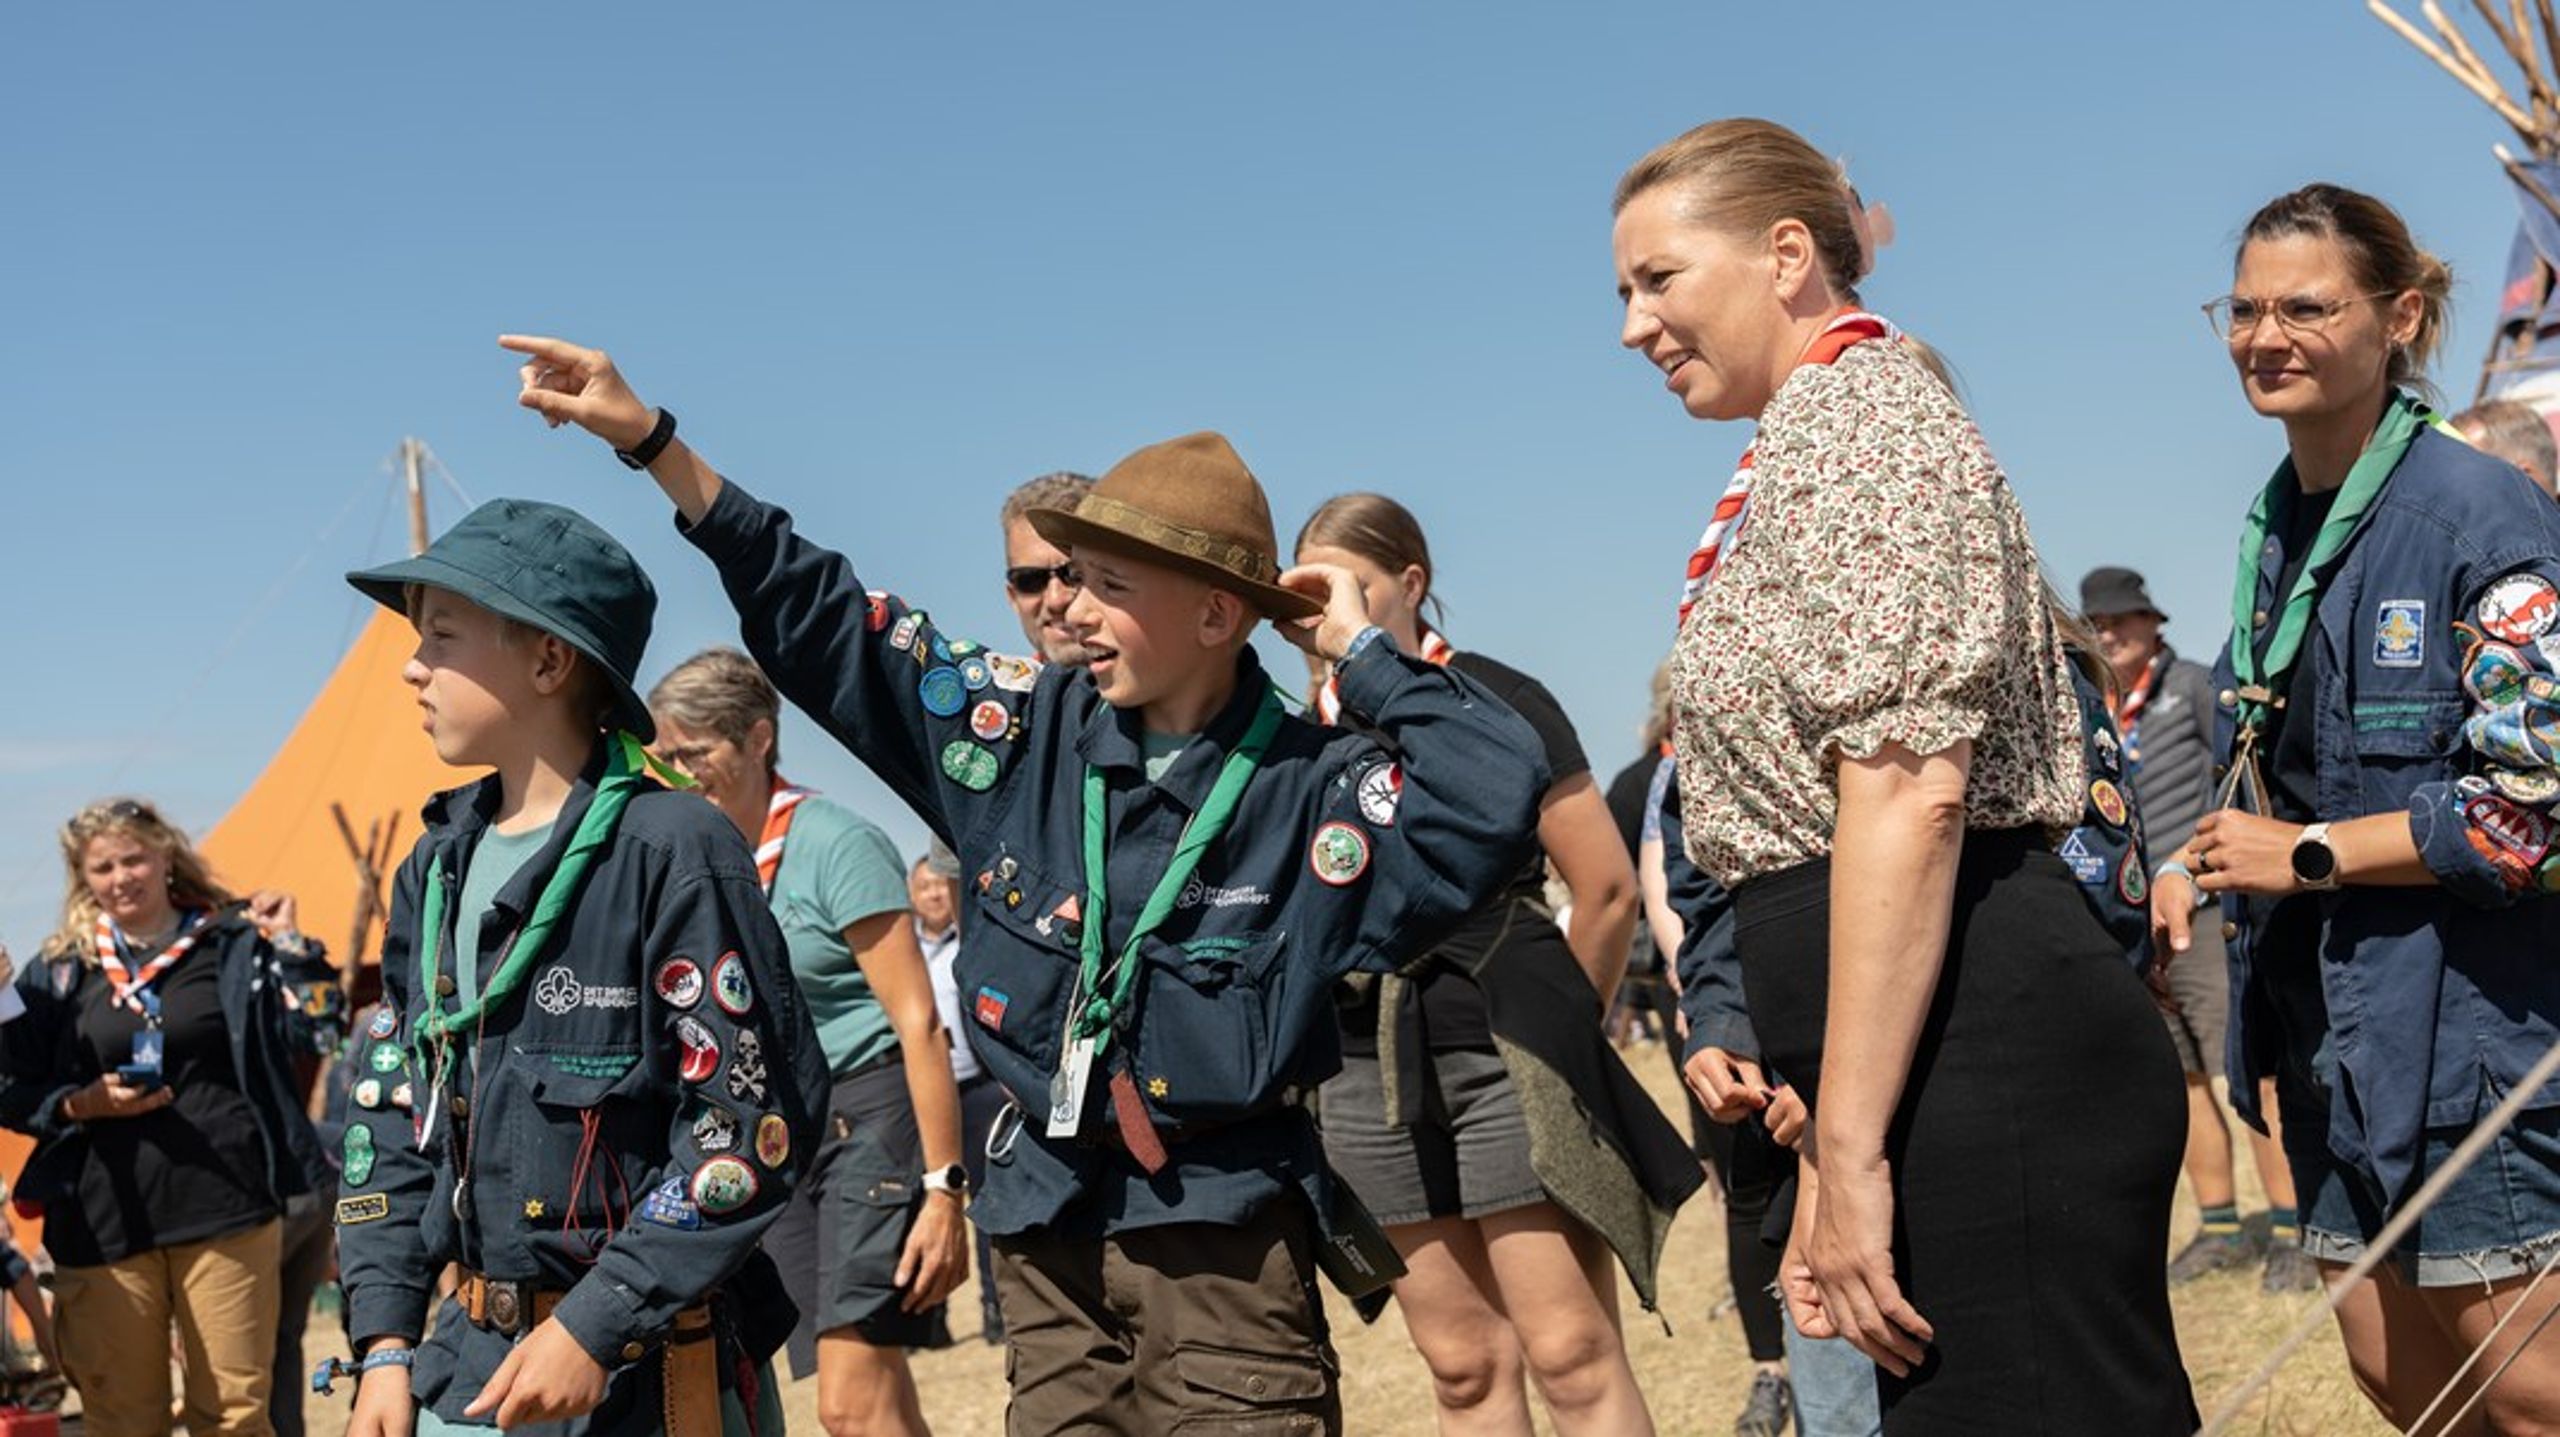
1256 1384
2258 620
444 985
461 1106
2230 932
2226 698
633 1352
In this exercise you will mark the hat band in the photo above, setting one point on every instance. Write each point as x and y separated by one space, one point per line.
1238 559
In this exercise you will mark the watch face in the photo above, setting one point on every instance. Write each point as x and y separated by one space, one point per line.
2314 862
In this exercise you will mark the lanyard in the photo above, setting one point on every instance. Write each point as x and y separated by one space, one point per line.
1097 1012
138 990
777 827
2261 683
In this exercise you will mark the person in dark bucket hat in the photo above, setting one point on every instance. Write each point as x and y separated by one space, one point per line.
2111 591
549 568
593 1082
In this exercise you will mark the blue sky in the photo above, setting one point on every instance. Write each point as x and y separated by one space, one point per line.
887 263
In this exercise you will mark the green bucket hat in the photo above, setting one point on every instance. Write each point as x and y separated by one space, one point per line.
549 567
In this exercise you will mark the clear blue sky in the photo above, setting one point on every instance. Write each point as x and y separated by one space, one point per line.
886 263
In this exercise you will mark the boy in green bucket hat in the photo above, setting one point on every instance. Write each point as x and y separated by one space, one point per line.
592 1082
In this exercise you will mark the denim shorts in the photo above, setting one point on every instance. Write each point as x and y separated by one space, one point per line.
2500 1219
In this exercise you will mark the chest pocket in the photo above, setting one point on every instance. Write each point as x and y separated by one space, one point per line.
1018 959
2404 740
1213 1026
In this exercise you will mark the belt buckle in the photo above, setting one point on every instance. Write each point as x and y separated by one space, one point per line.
506 1308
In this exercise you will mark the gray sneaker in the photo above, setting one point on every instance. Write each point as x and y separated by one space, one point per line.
2212 1252
2289 1269
1771 1408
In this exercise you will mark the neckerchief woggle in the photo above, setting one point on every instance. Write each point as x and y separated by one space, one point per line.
787 797
628 768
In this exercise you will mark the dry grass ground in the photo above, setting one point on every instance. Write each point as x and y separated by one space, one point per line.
1694 1377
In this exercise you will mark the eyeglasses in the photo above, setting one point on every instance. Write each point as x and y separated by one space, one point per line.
2235 317
1032 579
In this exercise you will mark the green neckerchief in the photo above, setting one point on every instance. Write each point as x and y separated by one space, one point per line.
1100 1011
2261 686
628 767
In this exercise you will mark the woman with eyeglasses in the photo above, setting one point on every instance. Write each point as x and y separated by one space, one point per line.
155 1068
1878 743
875 1238
2389 719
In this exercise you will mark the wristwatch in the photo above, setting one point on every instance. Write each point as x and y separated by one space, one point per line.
2315 863
953 1180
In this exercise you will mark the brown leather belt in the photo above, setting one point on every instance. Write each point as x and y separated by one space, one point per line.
509 1309
692 1385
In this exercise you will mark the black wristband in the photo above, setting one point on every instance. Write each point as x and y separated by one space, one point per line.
646 452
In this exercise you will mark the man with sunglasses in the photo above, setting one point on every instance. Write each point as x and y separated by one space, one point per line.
1036 571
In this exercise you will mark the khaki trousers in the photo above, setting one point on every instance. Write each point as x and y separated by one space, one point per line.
223 1297
1188 1328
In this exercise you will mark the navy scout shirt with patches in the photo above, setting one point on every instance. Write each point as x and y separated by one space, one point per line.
1341 855
631 1119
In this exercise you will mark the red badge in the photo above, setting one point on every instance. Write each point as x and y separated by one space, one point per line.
2519 608
991 1006
679 982
2518 830
990 720
701 1050
876 610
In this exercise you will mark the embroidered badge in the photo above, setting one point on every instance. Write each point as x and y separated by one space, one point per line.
942 692
701 1051
1012 675
2535 786
962 648
990 720
372 1207
969 765
668 1206
773 1141
715 1130
2110 750
2088 867
2494 674
1157 1088
386 1021
1381 793
2133 885
875 610
723 1185
357 1153
990 1008
729 986
385 1058
400 1097
974 674
2400 634
903 635
2108 800
2472 785
1339 854
2519 608
2519 831
746 1071
942 649
559 992
679 982
367 1094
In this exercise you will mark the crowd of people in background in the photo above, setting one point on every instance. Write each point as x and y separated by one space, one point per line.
1966 917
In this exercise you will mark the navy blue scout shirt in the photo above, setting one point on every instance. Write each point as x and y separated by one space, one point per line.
1341 855
2428 674
631 1119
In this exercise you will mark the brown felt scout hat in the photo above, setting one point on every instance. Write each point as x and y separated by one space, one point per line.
1188 504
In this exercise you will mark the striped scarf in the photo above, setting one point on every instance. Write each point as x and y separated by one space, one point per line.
777 827
1724 524
1435 650
129 985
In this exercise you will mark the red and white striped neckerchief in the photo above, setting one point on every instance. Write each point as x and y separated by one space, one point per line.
777 827
1724 525
1435 649
2129 709
129 984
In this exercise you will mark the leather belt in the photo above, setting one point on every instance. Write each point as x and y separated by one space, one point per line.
509 1309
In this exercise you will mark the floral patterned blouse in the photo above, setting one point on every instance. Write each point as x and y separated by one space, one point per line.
1882 590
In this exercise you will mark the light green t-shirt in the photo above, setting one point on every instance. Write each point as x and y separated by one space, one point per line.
495 859
1159 750
837 869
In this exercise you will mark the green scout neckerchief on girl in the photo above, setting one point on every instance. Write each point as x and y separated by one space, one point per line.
2261 684
628 767
1100 1004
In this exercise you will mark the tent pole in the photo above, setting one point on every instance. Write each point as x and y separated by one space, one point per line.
413 465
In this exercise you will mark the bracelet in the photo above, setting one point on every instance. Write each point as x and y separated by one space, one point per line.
386 1357
1359 642
2173 866
646 452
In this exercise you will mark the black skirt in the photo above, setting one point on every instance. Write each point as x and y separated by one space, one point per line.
2034 1155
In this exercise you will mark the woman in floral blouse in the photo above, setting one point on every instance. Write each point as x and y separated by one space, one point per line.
1878 742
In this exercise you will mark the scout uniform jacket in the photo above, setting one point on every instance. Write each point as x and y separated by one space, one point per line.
1341 855
631 1119
2432 658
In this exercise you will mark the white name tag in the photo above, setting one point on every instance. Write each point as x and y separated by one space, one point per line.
1066 1090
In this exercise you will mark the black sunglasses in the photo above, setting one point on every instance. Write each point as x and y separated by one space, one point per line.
1033 579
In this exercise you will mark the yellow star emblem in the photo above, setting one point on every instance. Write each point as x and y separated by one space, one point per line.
533 1207
1158 1087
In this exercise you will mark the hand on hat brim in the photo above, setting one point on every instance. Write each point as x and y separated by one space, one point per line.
568 384
1346 609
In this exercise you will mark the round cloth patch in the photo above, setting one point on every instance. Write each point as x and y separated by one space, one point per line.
1381 793
2535 786
357 1152
701 1050
723 1185
974 674
773 1141
942 692
989 720
2108 800
679 982
1011 674
400 1097
385 1058
2519 608
729 986
875 612
386 1021
969 765
2133 885
1339 854
367 1094
715 1130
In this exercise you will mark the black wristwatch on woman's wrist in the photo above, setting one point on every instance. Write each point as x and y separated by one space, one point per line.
646 452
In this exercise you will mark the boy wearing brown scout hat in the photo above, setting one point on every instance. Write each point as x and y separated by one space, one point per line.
1168 872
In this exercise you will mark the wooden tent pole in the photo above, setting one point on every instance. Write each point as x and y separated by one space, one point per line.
413 464
2482 86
